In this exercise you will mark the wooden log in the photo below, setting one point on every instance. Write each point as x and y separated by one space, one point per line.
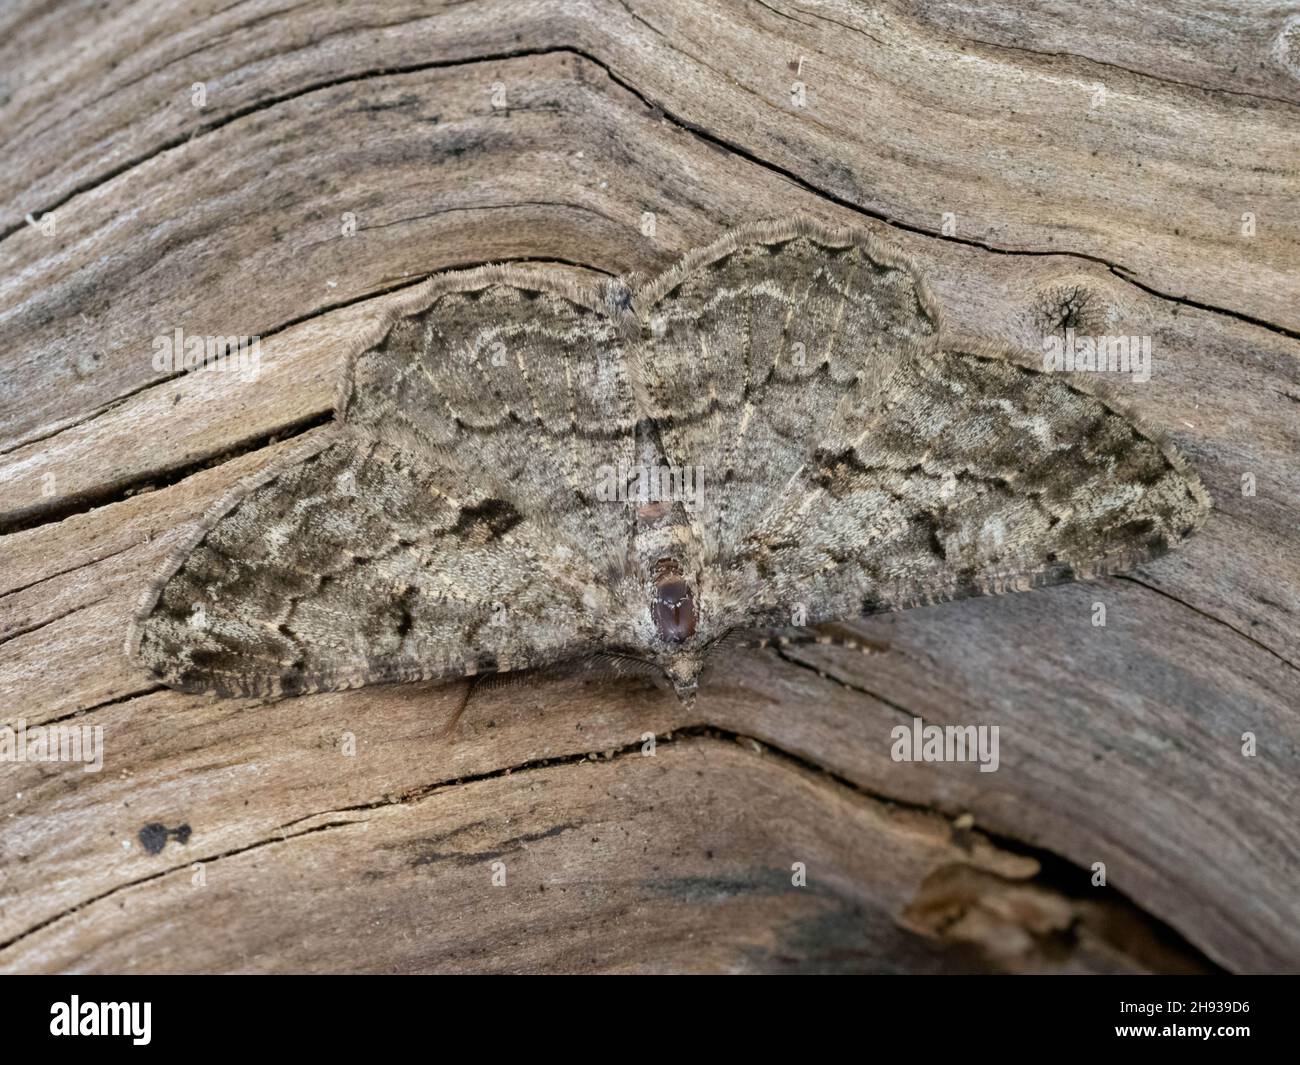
1119 212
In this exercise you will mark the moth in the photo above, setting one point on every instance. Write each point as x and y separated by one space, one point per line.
504 486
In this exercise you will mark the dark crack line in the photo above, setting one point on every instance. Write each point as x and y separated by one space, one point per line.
71 569
955 35
785 656
56 428
414 795
157 382
140 45
730 146
675 45
1057 872
49 621
116 700
1185 301
1205 614
204 128
782 14
158 875
165 477
407 797
908 227
1209 90
644 22
93 499
584 208
843 25
807 186
679 122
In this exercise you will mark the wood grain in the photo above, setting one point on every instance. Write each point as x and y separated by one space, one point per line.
1120 744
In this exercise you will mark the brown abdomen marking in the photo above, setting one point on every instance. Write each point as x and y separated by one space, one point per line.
673 608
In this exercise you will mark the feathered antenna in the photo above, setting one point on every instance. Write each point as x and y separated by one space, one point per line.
802 638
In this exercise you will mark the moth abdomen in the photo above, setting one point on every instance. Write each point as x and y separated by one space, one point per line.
673 605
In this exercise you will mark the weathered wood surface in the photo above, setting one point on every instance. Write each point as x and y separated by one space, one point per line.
1118 212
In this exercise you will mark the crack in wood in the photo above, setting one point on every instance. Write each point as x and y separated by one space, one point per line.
71 569
83 502
156 876
203 129
1206 614
49 621
685 125
824 674
1057 872
82 711
1079 57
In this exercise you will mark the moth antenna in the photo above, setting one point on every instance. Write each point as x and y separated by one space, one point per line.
617 664
478 683
450 727
806 637
734 639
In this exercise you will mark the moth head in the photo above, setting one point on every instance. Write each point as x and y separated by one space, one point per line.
683 673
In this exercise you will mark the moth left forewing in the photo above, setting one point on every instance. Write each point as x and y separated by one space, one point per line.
516 379
342 568
443 527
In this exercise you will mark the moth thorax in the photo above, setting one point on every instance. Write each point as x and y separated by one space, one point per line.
673 606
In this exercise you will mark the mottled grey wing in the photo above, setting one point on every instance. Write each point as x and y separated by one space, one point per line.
975 475
761 348
443 527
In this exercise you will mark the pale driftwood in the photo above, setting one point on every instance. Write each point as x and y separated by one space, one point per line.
1119 744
